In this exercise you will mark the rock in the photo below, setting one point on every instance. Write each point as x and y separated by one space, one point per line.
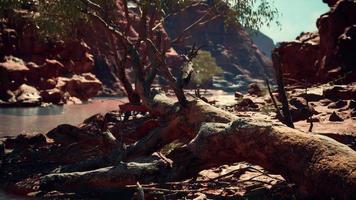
80 86
78 60
24 141
55 96
334 117
93 123
353 113
254 89
231 46
343 92
352 104
298 102
238 95
326 55
13 73
264 43
246 104
8 96
300 110
330 2
338 104
312 96
47 84
28 95
299 57
325 102
299 114
51 69
72 100
112 117
66 134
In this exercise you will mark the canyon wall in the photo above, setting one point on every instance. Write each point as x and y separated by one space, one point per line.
229 43
326 55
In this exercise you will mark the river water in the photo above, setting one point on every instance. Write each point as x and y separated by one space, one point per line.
14 121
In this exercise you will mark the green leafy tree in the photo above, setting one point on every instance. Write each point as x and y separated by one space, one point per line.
61 18
205 67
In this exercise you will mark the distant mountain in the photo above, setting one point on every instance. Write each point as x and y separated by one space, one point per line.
264 43
230 44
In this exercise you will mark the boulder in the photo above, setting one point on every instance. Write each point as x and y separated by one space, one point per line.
343 92
238 95
51 69
246 104
66 134
46 84
93 124
338 104
27 96
300 110
299 57
13 72
8 96
25 140
55 96
82 86
77 60
254 89
334 117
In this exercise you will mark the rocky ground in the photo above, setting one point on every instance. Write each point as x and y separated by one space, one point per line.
330 108
25 158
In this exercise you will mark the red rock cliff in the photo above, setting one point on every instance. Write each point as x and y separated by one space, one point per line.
328 54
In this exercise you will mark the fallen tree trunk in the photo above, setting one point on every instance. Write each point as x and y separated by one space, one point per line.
108 178
321 167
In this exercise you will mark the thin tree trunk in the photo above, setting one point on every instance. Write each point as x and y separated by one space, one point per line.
287 117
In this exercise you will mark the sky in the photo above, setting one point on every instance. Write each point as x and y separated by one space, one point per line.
296 16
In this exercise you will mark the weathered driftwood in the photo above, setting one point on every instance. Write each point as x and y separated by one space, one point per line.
321 167
104 178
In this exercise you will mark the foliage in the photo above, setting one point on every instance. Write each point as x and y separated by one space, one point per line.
205 67
61 17
253 14
6 5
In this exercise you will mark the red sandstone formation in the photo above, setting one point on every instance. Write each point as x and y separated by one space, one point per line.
229 44
57 72
327 55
